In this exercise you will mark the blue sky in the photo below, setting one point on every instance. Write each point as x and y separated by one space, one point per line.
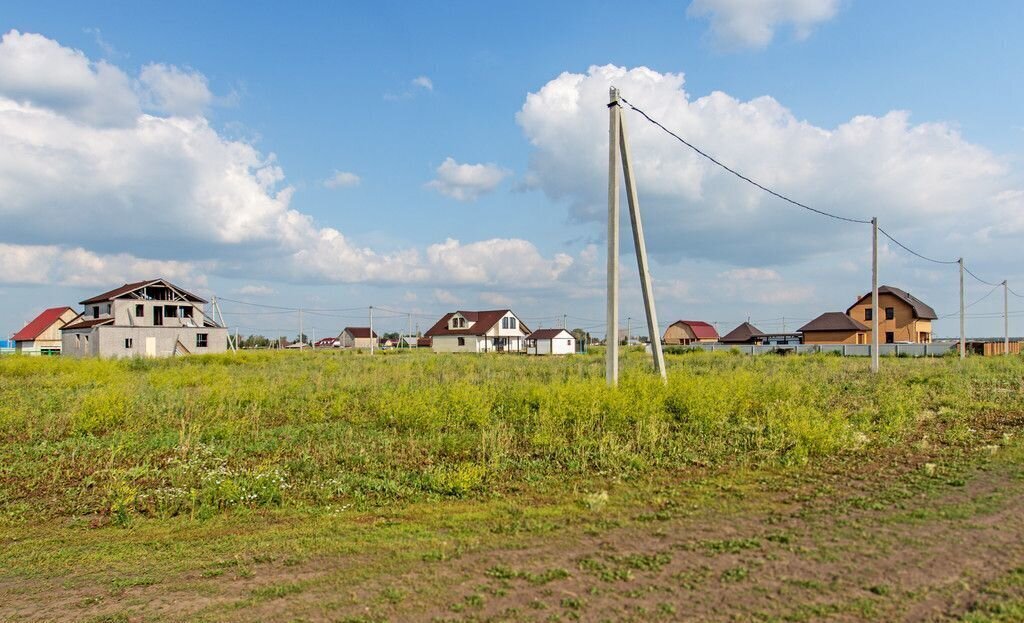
331 89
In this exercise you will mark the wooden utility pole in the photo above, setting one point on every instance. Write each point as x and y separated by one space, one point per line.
874 294
963 339
618 144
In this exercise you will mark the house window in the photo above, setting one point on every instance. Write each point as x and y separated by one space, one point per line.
128 342
140 311
462 341
890 313
186 312
890 337
96 311
511 322
107 309
867 313
201 340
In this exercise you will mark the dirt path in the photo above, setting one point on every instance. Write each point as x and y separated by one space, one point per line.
901 539
904 547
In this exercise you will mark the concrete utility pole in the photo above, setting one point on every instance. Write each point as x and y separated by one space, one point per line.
564 323
617 138
629 330
874 294
1006 318
302 341
963 339
372 340
611 368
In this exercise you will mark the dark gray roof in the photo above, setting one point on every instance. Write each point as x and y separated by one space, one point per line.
833 321
921 309
743 333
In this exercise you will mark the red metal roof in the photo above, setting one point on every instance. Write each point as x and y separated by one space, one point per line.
482 323
360 332
41 323
701 329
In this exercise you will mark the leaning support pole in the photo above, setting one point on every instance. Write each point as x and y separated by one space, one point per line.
612 326
874 294
963 339
653 331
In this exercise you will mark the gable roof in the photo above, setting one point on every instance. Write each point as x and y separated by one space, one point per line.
547 334
743 333
833 321
131 287
701 329
482 321
41 323
920 309
86 323
359 332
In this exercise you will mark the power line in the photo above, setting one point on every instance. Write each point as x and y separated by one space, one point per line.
340 309
980 280
784 197
740 175
913 252
987 294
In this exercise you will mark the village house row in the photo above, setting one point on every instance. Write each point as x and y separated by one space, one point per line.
156 318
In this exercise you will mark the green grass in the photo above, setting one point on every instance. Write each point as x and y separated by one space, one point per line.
219 466
333 432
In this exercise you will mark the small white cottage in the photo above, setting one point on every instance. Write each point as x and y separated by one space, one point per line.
550 342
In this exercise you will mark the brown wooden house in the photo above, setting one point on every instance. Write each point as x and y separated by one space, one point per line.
901 316
689 332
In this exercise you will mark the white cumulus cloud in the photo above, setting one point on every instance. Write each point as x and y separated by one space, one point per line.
424 83
342 179
174 91
752 23
105 178
924 181
467 182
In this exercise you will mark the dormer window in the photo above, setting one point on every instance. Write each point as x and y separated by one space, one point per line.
458 322
508 322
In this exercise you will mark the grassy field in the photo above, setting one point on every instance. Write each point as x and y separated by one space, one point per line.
339 486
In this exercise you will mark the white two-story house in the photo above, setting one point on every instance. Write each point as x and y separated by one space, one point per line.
152 318
497 330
